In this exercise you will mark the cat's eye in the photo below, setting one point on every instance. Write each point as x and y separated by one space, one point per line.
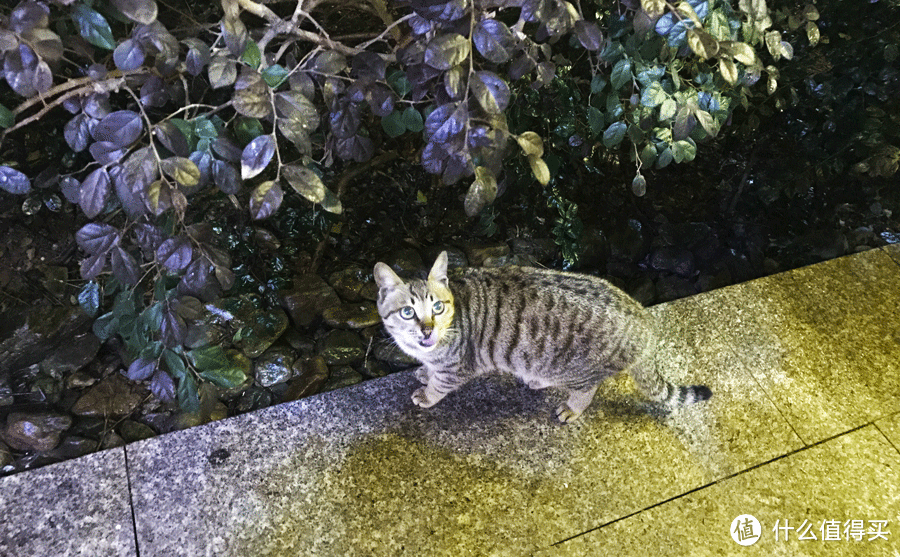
407 312
438 307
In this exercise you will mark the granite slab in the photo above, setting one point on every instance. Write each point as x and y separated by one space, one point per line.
77 507
816 492
822 341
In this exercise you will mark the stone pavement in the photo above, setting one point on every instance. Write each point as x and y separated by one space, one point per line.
802 433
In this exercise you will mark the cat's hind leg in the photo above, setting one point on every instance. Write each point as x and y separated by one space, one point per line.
575 405
439 385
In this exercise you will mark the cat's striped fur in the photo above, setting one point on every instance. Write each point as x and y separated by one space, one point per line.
549 328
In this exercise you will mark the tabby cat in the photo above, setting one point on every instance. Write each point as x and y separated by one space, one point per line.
549 328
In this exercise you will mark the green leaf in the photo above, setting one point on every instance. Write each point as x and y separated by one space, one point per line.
665 158
412 119
175 364
598 82
654 95
614 134
215 366
251 56
105 326
648 155
667 109
89 298
399 83
93 27
684 151
204 128
621 74
247 129
6 117
393 125
208 357
595 120
188 399
275 75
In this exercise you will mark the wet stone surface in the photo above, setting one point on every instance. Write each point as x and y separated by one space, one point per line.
341 347
352 316
35 431
275 365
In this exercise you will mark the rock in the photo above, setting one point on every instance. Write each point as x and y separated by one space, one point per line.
29 334
111 440
309 376
73 446
206 332
113 397
350 283
35 432
671 287
341 347
342 376
80 380
535 250
387 351
594 250
674 260
6 397
307 299
478 254
456 258
254 398
257 329
643 290
406 262
352 316
274 365
628 243
374 368
132 431
71 355
6 457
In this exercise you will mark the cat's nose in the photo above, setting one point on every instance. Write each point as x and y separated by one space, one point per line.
426 331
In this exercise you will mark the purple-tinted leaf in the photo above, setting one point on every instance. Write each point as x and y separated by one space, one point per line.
158 197
265 200
301 82
128 55
256 156
105 152
124 267
419 25
440 10
96 237
71 189
545 73
226 149
93 265
226 177
95 191
235 34
446 122
42 78
536 10
175 253
434 158
447 50
588 34
381 100
154 92
344 122
521 66
13 181
199 281
140 369
198 56
133 180
356 148
492 39
491 91
138 11
251 95
97 106
172 138
367 65
296 134
458 166
18 68
148 238
162 386
122 127
173 327
28 15
97 72
204 161
222 71
329 62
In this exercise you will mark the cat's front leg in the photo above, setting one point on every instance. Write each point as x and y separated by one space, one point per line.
439 384
421 374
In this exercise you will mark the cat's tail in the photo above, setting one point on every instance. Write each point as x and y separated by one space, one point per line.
680 395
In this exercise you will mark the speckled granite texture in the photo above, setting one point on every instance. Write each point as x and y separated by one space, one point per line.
78 507
804 425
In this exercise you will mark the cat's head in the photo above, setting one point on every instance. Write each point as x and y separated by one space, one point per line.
417 313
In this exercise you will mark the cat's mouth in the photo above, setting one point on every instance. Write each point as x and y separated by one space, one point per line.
428 342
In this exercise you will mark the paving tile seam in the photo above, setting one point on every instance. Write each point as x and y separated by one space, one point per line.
137 547
720 480
885 435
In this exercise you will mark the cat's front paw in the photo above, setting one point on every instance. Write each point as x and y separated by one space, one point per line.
420 398
421 375
566 415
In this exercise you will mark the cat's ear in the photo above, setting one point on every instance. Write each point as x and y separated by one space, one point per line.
439 269
385 277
